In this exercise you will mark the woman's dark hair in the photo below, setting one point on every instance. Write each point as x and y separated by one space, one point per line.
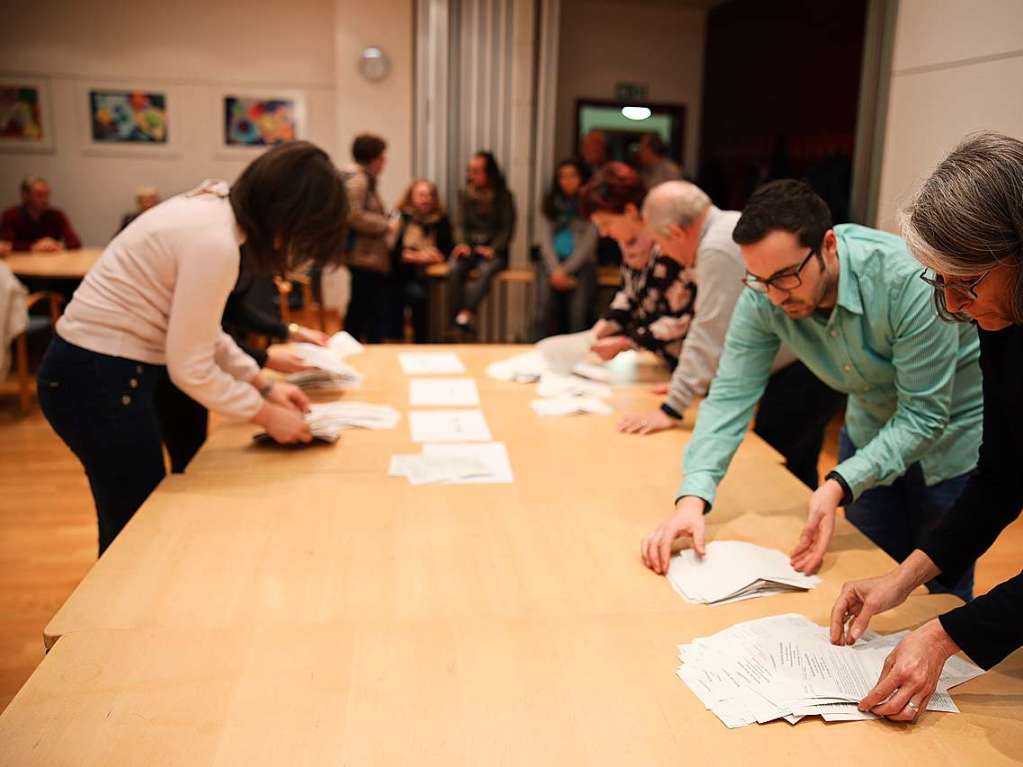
367 147
291 203
612 188
550 208
494 175
786 205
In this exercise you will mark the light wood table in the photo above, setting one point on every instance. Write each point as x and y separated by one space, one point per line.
62 264
473 690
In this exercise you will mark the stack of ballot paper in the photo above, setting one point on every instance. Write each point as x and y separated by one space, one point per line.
430 363
522 368
557 385
570 406
476 463
329 371
732 571
563 353
442 391
448 426
785 667
328 420
344 344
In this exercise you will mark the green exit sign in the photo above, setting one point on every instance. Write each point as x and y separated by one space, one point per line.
631 91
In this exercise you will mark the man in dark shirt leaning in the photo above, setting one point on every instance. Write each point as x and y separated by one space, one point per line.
34 225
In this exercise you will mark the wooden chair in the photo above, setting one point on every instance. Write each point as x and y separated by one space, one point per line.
36 324
305 283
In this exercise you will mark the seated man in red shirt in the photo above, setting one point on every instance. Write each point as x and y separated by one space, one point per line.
34 225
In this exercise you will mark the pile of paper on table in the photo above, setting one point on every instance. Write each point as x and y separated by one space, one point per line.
785 667
732 571
454 463
568 405
330 372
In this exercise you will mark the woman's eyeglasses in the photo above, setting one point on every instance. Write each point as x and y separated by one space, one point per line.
965 293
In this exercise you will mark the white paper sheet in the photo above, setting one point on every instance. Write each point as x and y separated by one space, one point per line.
553 406
456 463
557 385
443 391
430 363
562 353
785 667
448 426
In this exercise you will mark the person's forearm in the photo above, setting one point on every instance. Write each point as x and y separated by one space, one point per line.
916 570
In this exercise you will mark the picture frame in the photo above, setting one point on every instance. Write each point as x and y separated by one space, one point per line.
253 120
26 114
128 119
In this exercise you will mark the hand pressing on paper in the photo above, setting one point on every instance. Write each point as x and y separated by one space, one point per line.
609 348
646 423
285 361
910 674
820 525
859 601
285 424
289 396
687 520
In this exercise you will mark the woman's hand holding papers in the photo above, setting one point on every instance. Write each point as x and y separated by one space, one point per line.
687 520
910 674
820 525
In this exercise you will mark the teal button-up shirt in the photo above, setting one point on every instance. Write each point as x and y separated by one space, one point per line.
913 380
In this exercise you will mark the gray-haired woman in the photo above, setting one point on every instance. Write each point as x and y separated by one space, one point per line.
966 227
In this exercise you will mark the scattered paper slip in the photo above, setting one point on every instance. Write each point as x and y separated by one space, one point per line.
557 385
443 391
785 667
430 363
448 426
732 571
570 406
522 368
467 463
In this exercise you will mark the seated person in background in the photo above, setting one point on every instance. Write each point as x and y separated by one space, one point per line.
484 222
796 405
964 226
368 251
655 167
566 272
847 300
654 306
34 225
146 197
424 238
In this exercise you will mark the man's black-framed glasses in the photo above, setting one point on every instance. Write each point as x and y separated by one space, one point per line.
786 281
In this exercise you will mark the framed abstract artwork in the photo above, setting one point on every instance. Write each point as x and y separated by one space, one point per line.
26 124
251 122
130 119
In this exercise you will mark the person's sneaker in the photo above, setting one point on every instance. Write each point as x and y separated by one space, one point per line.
464 331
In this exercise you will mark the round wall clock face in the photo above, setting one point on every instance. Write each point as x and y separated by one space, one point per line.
374 64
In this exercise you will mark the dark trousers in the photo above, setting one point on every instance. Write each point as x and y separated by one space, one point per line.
564 311
793 415
103 408
414 293
897 516
369 316
183 424
467 292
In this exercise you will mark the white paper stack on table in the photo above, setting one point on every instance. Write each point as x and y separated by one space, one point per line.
732 571
564 355
330 372
785 667
570 406
448 426
430 363
329 419
455 463
443 391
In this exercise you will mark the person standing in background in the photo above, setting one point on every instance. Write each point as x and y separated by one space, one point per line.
424 238
484 223
368 251
655 167
566 271
34 225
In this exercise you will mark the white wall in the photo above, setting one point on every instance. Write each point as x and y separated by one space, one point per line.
603 42
957 68
385 107
194 50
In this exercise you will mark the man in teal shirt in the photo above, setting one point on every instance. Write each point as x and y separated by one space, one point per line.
847 300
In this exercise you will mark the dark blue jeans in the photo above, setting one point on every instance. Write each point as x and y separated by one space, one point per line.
103 408
896 517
